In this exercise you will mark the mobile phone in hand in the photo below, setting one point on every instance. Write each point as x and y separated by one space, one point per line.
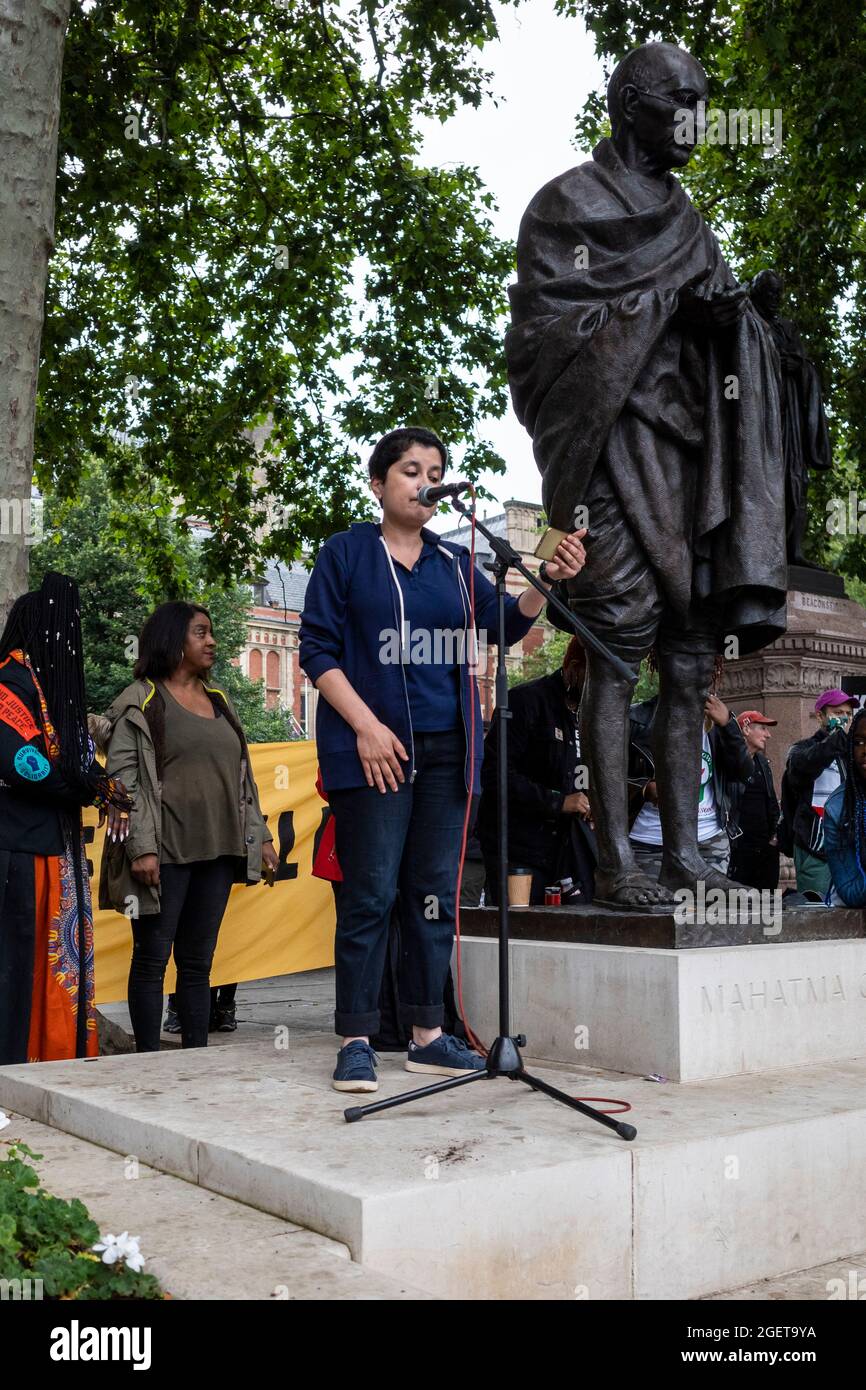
546 548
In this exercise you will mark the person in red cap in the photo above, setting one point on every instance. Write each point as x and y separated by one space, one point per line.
815 768
755 810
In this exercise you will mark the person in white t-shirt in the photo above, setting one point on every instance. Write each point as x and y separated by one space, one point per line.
725 759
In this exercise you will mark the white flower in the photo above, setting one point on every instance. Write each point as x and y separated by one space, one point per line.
4 1119
123 1247
108 1249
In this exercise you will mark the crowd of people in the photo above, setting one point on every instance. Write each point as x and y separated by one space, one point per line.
404 767
742 828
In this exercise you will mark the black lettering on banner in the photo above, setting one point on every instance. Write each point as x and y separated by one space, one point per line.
317 838
286 837
89 832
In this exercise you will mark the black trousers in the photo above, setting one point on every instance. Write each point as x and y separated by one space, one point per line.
754 863
193 901
17 953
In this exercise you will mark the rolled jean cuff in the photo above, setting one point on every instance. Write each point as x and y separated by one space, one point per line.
356 1025
422 1015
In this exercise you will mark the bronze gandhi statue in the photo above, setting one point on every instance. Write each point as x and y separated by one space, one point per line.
805 437
649 385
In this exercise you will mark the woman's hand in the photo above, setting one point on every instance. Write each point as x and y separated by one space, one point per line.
380 752
118 821
146 869
270 858
569 557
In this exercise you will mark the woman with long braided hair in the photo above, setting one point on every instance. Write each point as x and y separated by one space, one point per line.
47 774
845 822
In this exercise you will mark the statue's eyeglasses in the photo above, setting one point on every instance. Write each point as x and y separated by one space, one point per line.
684 97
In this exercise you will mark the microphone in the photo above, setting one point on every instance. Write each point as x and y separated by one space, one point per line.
428 496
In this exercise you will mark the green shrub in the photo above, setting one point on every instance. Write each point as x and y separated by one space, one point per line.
46 1238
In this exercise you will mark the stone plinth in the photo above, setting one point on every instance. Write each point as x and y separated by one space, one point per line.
660 928
692 1015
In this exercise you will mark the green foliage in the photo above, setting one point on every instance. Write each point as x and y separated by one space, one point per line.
549 657
800 212
543 660
647 684
88 538
230 177
45 1237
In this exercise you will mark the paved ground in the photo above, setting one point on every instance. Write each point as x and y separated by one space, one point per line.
302 1003
188 1233
198 1244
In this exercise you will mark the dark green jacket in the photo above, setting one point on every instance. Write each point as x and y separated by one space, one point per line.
131 758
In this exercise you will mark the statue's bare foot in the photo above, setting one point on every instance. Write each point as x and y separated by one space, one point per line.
714 878
678 873
630 888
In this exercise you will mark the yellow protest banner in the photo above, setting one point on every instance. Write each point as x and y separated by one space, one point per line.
266 931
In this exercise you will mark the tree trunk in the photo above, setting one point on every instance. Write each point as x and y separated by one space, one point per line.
32 35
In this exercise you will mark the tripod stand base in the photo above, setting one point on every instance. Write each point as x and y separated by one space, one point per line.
503 1059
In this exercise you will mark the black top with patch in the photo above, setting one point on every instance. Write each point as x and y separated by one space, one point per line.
33 794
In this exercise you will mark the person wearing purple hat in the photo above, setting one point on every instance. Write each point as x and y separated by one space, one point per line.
815 769
845 823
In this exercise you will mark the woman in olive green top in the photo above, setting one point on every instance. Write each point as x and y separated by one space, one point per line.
195 827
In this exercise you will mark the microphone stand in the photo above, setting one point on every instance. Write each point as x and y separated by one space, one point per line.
503 1058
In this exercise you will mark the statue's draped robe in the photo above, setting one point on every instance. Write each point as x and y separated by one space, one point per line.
805 437
600 372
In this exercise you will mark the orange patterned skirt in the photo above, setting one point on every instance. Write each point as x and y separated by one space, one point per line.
64 953
46 959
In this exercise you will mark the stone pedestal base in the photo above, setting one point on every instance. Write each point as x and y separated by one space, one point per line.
692 1015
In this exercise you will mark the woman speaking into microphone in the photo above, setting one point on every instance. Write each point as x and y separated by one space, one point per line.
383 606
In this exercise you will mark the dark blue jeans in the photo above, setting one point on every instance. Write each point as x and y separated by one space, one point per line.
408 839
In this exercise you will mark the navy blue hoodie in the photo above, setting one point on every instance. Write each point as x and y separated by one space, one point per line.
352 597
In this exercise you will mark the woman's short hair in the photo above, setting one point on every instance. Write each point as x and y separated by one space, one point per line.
160 646
393 446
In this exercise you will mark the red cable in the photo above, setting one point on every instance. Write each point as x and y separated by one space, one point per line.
471 637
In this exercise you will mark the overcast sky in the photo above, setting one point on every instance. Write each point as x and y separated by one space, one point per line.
544 67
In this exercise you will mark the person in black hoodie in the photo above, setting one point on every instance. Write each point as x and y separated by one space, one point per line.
755 811
549 825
